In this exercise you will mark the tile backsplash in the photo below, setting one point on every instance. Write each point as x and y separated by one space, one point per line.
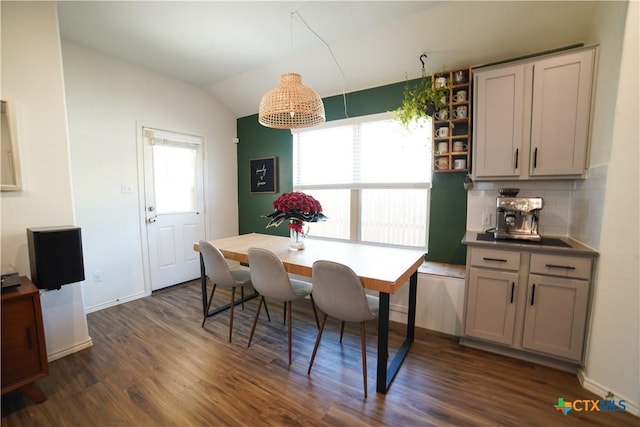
587 207
571 208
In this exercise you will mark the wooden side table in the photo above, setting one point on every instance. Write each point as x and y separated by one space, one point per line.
24 353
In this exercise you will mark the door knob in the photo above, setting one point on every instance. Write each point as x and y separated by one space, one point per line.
152 219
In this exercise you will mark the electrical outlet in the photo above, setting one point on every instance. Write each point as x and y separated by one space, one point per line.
126 188
486 219
97 276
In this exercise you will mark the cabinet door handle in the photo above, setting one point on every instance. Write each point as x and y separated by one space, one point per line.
28 331
513 287
517 155
535 157
565 267
494 259
533 293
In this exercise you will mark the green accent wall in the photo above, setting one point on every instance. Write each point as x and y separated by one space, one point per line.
448 218
448 197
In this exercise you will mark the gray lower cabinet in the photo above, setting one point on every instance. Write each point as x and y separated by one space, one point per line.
491 308
555 316
532 303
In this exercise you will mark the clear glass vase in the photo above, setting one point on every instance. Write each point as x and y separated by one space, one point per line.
296 242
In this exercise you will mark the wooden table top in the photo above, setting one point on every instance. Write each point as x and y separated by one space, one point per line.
380 268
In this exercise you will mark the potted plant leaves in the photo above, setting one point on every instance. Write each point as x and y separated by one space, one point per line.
421 99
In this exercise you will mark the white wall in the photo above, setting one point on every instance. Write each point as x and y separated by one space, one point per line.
588 200
32 77
106 99
613 355
439 303
608 31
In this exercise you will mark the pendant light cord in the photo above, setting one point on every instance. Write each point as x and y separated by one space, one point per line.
344 95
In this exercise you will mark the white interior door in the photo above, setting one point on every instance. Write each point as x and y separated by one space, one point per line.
174 205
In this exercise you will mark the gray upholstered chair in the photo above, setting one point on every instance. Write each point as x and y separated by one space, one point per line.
271 280
338 292
220 274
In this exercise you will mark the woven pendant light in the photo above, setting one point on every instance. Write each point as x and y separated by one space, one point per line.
291 105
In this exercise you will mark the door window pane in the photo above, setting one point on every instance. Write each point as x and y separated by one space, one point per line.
174 176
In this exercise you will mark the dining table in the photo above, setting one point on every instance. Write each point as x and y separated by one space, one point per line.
384 269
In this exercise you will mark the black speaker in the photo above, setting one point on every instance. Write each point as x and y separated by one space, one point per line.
55 255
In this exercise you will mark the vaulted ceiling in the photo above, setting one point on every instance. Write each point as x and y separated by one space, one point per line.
237 50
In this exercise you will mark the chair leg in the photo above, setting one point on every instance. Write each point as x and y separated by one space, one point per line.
364 356
341 331
233 298
255 319
206 313
284 315
315 313
242 296
289 327
315 348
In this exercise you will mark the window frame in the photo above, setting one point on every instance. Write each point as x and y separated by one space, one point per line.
357 188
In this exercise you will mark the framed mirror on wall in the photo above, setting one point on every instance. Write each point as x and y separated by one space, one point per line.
10 179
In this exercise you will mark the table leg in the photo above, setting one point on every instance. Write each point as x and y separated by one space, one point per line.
387 374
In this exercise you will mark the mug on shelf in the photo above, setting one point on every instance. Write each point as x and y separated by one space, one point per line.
460 96
442 163
460 164
458 77
442 132
441 81
460 112
442 115
459 146
443 147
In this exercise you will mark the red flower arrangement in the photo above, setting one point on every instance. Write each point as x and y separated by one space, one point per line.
298 207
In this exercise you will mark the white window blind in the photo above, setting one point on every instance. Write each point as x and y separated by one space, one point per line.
372 177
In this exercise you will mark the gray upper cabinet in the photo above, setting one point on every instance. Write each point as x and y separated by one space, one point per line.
531 118
498 122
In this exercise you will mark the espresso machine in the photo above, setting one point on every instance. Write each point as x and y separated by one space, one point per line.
517 217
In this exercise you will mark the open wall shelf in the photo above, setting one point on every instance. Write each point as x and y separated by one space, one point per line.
452 130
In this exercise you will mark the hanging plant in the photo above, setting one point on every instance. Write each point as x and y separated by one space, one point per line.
421 99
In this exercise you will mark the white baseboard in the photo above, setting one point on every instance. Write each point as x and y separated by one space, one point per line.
400 308
99 307
602 391
69 350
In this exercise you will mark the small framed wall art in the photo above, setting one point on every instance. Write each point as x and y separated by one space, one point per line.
264 175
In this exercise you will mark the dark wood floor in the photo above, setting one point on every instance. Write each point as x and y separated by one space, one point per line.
153 365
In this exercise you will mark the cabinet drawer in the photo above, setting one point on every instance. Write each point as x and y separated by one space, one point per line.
20 344
490 258
563 266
